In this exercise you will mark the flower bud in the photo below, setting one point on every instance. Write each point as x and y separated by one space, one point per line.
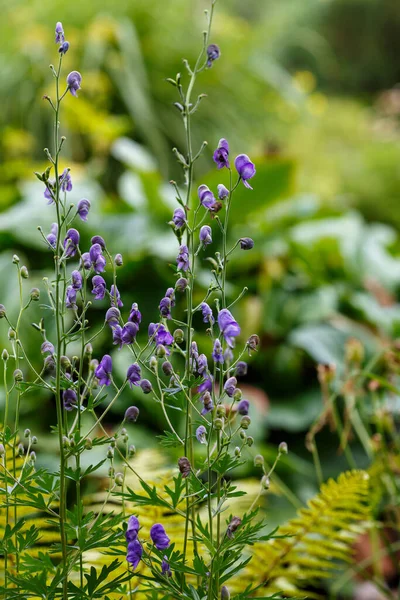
354 351
18 375
146 386
242 434
184 466
65 442
2 450
35 294
237 451
245 422
237 394
181 284
265 482
27 433
131 451
233 525
20 450
113 443
246 243
32 457
110 452
253 342
221 410
24 272
49 363
88 444
131 414
118 260
218 423
178 336
153 363
161 351
12 334
72 442
241 369
4 355
225 595
2 311
258 460
88 349
65 362
283 448
250 441
93 364
111 472
119 479
15 259
34 440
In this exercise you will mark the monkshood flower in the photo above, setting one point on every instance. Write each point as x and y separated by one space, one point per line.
118 261
63 49
52 237
85 261
243 407
223 192
146 386
217 353
246 243
59 33
170 293
208 405
117 336
233 525
165 569
181 284
161 334
115 297
74 80
70 297
135 316
131 415
71 242
65 181
99 287
207 313
48 192
129 332
201 433
134 554
221 154
133 525
206 385
202 364
228 326
194 355
96 258
184 466
83 208
165 308
179 218
103 370
159 537
113 316
230 386
205 235
183 258
253 342
76 278
134 374
70 399
245 168
241 369
206 196
213 53
47 347
97 239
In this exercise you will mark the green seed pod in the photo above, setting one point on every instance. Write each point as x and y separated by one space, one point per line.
218 423
35 294
179 336
18 375
283 448
265 482
24 272
119 479
258 461
245 422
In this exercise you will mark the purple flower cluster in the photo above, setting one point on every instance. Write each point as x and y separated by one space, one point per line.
135 550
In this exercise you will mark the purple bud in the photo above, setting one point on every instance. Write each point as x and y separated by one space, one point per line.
59 33
47 347
230 386
221 154
71 242
246 243
233 525
103 370
70 297
52 237
85 261
241 369
65 181
97 239
70 399
63 49
205 235
96 257
131 414
201 433
207 313
170 293
146 386
115 297
181 284
74 80
99 287
76 278
202 365
243 407
167 368
217 353
135 314
184 466
223 192
159 537
129 332
165 569
117 336
118 260
253 342
213 53
179 218
228 326
83 208
113 316
165 308
134 374
208 405
183 259
245 168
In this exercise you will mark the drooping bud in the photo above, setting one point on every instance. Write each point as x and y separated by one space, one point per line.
221 410
283 448
32 457
161 351
34 440
246 243
88 444
237 451
181 284
24 272
35 294
153 363
2 311
119 479
4 355
18 375
265 482
118 260
2 450
258 460
232 527
27 433
131 414
110 452
15 259
131 451
88 350
218 424
184 466
178 336
250 441
253 342
167 368
65 362
146 386
12 334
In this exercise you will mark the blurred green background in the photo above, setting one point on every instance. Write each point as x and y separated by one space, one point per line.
309 90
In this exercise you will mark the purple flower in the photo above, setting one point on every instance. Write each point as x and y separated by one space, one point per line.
47 347
243 407
207 313
134 374
103 370
161 334
223 192
246 243
228 326
129 332
52 237
181 284
202 364
65 181
213 53
118 260
183 259
74 80
165 308
230 386
70 399
206 196
134 554
63 49
208 405
83 208
133 527
201 433
85 261
71 242
217 354
96 258
194 355
113 316
165 570
76 278
245 168
59 33
117 336
49 192
179 218
146 386
206 385
70 297
221 154
205 235
99 287
131 415
159 537
135 315
241 369
97 239
115 297
170 293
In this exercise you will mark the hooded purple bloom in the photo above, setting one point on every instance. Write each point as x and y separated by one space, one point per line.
85 261
76 280
181 284
206 385
179 218
159 537
241 369
131 415
99 287
165 570
213 53
243 407
63 49
208 405
228 326
165 308
129 332
103 370
183 259
59 33
65 181
223 192
113 316
206 196
245 168
161 335
207 313
146 386
49 192
221 154
202 364
205 235
134 554
194 355
217 353
71 242
135 315
133 374
170 293
201 433
70 399
47 347
117 336
74 80
115 297
96 258
133 528
246 243
52 237
70 297
97 239
230 386
83 208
